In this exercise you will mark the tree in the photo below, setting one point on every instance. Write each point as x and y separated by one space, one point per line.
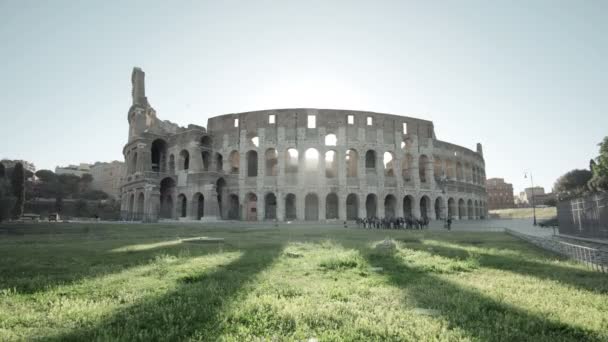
572 183
599 169
2 170
94 195
46 176
18 187
7 200
85 182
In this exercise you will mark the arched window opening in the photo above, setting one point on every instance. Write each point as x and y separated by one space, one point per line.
167 187
290 207
184 157
233 207
439 209
331 140
182 203
272 162
311 160
438 168
370 160
461 209
235 160
206 156
270 206
352 163
424 207
220 187
158 155
407 206
470 209
134 163
390 203
291 161
389 161
371 205
331 164
252 164
352 207
199 201
452 210
331 206
311 207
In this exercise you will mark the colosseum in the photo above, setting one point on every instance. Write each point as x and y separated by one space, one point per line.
295 164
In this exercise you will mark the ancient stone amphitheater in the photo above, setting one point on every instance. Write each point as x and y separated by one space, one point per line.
295 164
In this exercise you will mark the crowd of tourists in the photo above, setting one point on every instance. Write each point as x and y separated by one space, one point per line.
397 223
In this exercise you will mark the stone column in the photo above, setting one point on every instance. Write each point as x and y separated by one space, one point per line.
280 206
322 203
151 203
399 204
260 206
342 206
362 207
416 207
300 205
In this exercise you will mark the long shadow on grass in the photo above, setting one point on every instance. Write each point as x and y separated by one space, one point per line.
579 278
192 309
480 316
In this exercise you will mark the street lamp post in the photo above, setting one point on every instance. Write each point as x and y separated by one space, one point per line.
533 204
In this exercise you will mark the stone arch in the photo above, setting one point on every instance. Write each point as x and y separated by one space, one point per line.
158 154
331 140
270 206
311 160
252 163
331 164
233 207
167 187
311 207
206 157
352 163
198 202
272 162
408 205
452 210
184 160
462 210
425 206
439 208
251 207
390 206
140 206
406 165
220 186
171 163
331 206
219 162
370 161
422 165
352 207
290 207
470 209
235 161
389 164
182 205
371 205
291 160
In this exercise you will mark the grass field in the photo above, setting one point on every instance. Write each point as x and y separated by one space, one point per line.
143 282
518 213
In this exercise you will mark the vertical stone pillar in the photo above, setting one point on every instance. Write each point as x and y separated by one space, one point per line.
212 209
300 205
151 203
380 205
416 207
342 206
322 203
261 206
430 172
399 204
362 206
280 206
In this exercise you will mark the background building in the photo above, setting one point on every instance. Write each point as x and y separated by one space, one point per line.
77 170
540 197
107 177
500 194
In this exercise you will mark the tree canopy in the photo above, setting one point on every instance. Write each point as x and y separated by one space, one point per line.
18 187
599 168
572 183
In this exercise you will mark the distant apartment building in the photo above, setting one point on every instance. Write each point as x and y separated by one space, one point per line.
500 194
77 170
107 177
540 197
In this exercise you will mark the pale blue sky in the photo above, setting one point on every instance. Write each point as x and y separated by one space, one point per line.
527 79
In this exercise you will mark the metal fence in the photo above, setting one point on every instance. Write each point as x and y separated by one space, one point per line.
595 258
585 216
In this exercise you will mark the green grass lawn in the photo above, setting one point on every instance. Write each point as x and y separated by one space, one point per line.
141 282
518 213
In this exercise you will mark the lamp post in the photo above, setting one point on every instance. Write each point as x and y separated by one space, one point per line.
533 204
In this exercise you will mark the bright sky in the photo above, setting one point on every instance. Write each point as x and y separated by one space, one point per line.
527 79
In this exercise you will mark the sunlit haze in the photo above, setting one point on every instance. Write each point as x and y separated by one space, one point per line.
525 79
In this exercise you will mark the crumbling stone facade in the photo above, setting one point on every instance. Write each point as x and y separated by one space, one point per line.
295 164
